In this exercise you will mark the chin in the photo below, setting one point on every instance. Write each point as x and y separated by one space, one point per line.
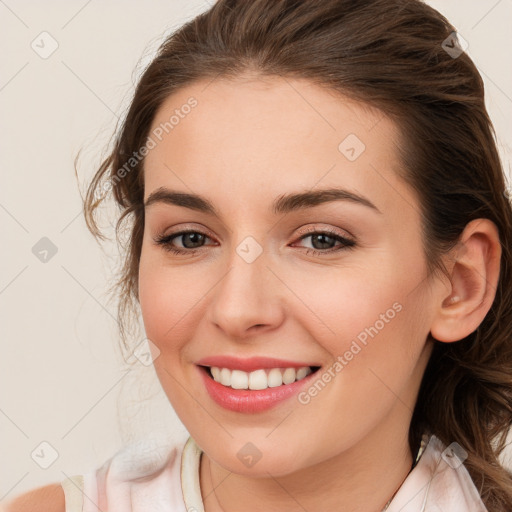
279 459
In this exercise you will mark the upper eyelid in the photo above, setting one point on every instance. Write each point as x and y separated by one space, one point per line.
184 230
344 233
309 232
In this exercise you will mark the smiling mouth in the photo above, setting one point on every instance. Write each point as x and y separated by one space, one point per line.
258 379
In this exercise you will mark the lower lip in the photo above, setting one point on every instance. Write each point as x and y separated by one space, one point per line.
251 401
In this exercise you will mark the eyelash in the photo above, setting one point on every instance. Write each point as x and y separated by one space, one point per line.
165 242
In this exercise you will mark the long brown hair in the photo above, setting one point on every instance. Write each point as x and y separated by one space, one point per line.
391 54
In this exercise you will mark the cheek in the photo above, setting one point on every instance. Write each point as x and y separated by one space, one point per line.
338 305
374 368
167 300
380 349
374 317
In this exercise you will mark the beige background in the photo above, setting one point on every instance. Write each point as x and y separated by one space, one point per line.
62 378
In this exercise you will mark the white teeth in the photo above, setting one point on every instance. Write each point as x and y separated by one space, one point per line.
239 380
303 372
225 377
289 375
274 378
258 379
215 373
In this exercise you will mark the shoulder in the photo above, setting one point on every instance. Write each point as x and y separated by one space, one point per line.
451 482
49 498
141 476
144 458
439 481
145 473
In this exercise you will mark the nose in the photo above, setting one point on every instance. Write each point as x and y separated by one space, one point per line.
248 299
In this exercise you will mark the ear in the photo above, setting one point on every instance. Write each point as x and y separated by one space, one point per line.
473 282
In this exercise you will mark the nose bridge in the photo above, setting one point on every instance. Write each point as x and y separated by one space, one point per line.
245 281
246 294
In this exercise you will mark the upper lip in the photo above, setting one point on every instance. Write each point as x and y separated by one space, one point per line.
250 364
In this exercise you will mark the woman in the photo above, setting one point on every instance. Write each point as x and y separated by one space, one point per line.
320 249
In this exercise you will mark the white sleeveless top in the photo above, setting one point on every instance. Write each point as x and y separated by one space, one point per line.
145 476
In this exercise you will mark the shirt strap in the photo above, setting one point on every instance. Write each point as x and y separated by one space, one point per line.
73 487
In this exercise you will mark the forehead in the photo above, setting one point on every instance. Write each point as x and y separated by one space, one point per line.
292 108
274 134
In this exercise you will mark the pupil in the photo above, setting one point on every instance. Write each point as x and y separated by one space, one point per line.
191 236
324 243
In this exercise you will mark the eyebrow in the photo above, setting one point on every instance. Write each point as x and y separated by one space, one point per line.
285 203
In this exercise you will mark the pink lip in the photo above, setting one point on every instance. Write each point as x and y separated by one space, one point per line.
251 401
250 364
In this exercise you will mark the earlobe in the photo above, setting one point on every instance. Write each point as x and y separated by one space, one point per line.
473 281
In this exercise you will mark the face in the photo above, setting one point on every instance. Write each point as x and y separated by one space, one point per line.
266 283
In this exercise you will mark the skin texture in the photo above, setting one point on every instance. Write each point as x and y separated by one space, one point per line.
49 498
247 142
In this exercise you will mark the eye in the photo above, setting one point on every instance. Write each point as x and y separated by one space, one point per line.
190 239
323 241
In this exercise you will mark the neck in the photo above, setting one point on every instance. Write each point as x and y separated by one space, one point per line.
364 477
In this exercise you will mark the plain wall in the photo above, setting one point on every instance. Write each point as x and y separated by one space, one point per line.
63 381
